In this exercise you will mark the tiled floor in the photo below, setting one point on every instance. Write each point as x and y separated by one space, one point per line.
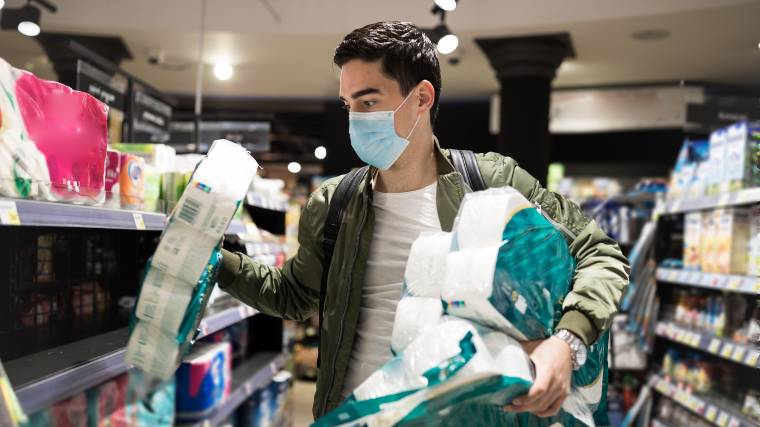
303 397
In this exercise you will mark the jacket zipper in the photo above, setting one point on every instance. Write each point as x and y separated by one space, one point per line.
343 316
557 225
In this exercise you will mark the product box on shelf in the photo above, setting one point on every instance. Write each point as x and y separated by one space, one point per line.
162 157
71 412
708 242
732 240
132 182
742 141
152 189
203 381
692 240
53 140
753 265
717 162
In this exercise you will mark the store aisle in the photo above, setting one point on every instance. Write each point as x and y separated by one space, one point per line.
303 397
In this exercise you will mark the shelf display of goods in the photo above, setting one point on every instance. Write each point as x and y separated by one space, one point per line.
53 140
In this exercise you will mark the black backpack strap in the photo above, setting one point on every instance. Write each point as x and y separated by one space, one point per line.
465 163
338 203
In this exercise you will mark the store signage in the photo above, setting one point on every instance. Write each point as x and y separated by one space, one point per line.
106 88
711 116
151 117
254 136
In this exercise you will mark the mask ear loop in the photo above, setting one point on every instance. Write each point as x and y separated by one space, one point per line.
418 116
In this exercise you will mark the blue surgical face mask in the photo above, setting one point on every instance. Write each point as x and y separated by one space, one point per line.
374 138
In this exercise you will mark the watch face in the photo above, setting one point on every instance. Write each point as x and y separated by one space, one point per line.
580 355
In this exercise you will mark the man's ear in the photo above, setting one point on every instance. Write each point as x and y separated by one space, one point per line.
427 95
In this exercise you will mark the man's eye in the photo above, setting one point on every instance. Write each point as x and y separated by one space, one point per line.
369 104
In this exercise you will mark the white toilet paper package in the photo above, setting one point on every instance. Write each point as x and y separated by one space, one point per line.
511 284
180 276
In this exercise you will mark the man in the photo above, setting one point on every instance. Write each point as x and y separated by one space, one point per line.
390 83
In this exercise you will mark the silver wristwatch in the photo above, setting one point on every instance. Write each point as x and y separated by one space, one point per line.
577 347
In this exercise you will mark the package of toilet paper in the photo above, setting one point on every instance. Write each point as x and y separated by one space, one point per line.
181 274
53 140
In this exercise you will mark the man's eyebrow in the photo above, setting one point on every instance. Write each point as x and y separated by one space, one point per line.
359 94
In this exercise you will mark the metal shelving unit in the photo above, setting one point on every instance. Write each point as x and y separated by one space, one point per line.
721 282
742 197
724 348
252 375
703 406
45 378
20 212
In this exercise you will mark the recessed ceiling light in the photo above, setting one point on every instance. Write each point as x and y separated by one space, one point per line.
294 167
320 152
223 71
651 34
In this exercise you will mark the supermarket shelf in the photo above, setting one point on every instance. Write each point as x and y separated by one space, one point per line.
742 197
264 248
702 406
264 203
727 349
217 319
50 214
247 378
723 282
42 379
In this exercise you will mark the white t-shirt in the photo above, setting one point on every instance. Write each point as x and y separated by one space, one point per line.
399 220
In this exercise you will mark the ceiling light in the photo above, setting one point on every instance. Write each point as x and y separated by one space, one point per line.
30 21
223 71
294 167
448 44
2 3
320 152
447 5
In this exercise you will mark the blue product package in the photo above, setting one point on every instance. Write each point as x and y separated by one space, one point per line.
203 381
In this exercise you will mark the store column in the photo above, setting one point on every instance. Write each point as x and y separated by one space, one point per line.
525 67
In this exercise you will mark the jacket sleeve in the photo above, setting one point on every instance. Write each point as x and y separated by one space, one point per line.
290 292
602 271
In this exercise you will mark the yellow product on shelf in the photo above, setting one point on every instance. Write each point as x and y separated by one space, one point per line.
692 240
707 242
732 240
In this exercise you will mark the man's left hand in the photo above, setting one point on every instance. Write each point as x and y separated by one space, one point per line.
554 368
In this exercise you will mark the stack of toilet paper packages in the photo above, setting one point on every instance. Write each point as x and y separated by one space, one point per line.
470 296
180 276
53 140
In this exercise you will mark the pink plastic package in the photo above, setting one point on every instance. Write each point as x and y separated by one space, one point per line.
53 140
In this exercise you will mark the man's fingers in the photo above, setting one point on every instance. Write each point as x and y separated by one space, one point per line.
537 400
553 409
539 388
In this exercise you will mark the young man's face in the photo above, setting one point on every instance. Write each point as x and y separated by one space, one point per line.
364 88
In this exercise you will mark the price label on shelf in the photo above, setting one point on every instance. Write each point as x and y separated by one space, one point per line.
711 414
139 221
673 276
694 277
9 213
728 349
714 346
734 282
757 287
719 280
683 276
734 422
752 358
696 339
739 353
705 279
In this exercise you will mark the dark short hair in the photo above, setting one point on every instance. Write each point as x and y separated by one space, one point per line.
407 54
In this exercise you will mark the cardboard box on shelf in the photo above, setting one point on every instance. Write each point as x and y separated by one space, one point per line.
753 265
732 240
717 162
692 240
707 242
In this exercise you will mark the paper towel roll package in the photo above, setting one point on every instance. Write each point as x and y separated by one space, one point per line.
181 274
508 271
426 265
414 315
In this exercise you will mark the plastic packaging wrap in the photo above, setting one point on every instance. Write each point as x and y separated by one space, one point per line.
53 140
496 291
180 277
426 265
